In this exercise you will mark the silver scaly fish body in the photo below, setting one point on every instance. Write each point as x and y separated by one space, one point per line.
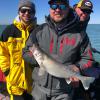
55 68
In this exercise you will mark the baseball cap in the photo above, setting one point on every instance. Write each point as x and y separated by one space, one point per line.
85 4
58 1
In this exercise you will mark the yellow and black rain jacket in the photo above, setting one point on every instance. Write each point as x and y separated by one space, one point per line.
17 71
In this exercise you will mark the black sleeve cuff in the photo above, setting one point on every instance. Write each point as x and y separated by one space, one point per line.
6 72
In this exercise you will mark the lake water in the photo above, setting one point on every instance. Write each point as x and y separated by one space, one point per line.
93 31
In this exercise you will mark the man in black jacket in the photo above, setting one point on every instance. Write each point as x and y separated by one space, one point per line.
83 9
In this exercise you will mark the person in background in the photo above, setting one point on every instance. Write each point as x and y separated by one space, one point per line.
59 37
84 9
13 38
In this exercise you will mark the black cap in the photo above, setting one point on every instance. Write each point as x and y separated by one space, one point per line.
85 4
58 1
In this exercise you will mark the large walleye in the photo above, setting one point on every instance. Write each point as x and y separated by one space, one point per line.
57 69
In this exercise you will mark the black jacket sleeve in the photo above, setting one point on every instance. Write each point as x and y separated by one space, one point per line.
27 55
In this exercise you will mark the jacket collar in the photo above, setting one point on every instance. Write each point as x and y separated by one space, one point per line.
19 25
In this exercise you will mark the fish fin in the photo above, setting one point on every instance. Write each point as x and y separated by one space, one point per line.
87 81
68 81
41 71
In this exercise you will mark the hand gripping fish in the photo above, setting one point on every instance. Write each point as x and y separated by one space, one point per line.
57 69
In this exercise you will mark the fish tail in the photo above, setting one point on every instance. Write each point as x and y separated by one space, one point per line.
86 81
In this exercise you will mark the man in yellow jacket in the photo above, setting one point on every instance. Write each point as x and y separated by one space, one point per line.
13 38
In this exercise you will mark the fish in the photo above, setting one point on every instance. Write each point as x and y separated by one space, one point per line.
57 69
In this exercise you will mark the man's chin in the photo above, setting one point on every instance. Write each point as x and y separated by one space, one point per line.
28 20
82 20
58 19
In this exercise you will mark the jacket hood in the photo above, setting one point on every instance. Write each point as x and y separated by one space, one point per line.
68 23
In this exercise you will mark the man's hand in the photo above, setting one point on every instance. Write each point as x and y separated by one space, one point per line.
74 80
74 68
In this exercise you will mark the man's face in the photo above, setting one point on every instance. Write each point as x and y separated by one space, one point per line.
26 14
58 11
83 14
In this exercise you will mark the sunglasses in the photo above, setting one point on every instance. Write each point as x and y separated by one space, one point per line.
86 11
55 6
30 11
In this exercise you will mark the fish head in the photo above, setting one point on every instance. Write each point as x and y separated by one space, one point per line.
37 53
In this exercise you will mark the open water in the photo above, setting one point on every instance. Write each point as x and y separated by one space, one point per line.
93 31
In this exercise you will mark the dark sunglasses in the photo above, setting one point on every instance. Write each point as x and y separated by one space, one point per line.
30 11
55 6
86 11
